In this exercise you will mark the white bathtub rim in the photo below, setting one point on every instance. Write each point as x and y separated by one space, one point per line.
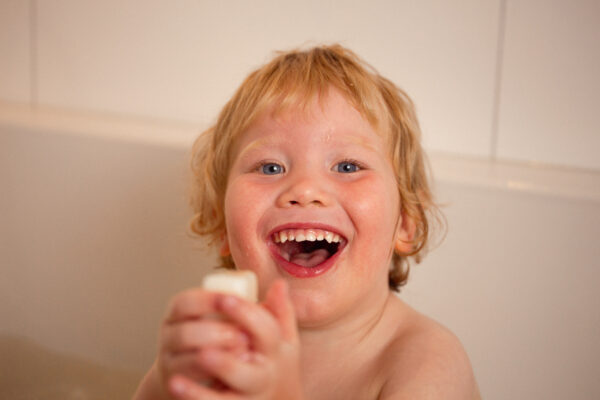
517 176
142 130
526 177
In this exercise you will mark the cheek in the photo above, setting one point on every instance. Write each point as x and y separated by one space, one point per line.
244 207
238 219
242 202
375 215
377 204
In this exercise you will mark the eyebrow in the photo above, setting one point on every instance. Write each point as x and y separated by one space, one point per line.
360 141
256 144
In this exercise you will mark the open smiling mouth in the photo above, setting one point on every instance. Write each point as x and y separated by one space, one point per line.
308 248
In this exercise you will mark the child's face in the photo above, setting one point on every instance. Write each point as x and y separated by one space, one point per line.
321 172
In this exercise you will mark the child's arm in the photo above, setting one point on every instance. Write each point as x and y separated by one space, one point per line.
269 370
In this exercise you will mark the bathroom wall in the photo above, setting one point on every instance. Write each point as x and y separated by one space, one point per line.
491 79
99 102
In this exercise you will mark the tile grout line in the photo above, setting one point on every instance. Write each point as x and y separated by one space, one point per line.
33 100
498 81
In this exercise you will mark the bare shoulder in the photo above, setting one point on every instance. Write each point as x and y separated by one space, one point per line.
424 360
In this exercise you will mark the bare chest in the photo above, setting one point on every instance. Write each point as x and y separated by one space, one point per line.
344 381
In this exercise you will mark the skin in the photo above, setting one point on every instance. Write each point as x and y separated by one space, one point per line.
338 335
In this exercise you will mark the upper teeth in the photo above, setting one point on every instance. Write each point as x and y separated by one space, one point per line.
300 235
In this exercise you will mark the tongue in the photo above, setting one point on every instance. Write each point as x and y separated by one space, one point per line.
311 259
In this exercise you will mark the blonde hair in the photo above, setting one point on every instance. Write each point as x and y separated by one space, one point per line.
292 79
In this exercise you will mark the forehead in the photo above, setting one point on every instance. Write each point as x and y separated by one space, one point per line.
329 118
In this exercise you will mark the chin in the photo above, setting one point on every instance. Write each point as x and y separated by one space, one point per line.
312 309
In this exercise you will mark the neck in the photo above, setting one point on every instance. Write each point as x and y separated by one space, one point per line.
360 328
337 353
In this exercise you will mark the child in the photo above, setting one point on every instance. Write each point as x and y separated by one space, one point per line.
313 177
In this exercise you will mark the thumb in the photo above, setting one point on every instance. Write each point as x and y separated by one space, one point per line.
278 302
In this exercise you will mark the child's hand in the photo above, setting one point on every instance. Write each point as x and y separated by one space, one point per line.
191 327
270 367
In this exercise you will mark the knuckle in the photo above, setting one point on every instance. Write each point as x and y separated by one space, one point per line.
180 337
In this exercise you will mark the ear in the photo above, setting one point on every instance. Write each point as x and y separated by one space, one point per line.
405 234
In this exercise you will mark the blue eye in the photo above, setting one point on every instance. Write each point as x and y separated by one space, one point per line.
271 169
347 167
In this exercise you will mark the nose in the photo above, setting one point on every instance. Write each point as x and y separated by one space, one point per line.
305 191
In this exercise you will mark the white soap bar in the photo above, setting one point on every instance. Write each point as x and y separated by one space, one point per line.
239 283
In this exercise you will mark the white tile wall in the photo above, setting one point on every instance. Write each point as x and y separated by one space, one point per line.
442 53
178 60
551 83
183 60
14 50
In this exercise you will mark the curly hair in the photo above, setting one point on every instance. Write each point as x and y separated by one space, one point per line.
290 80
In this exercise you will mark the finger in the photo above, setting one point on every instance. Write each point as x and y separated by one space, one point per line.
278 301
243 373
185 364
186 389
256 320
192 335
190 304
